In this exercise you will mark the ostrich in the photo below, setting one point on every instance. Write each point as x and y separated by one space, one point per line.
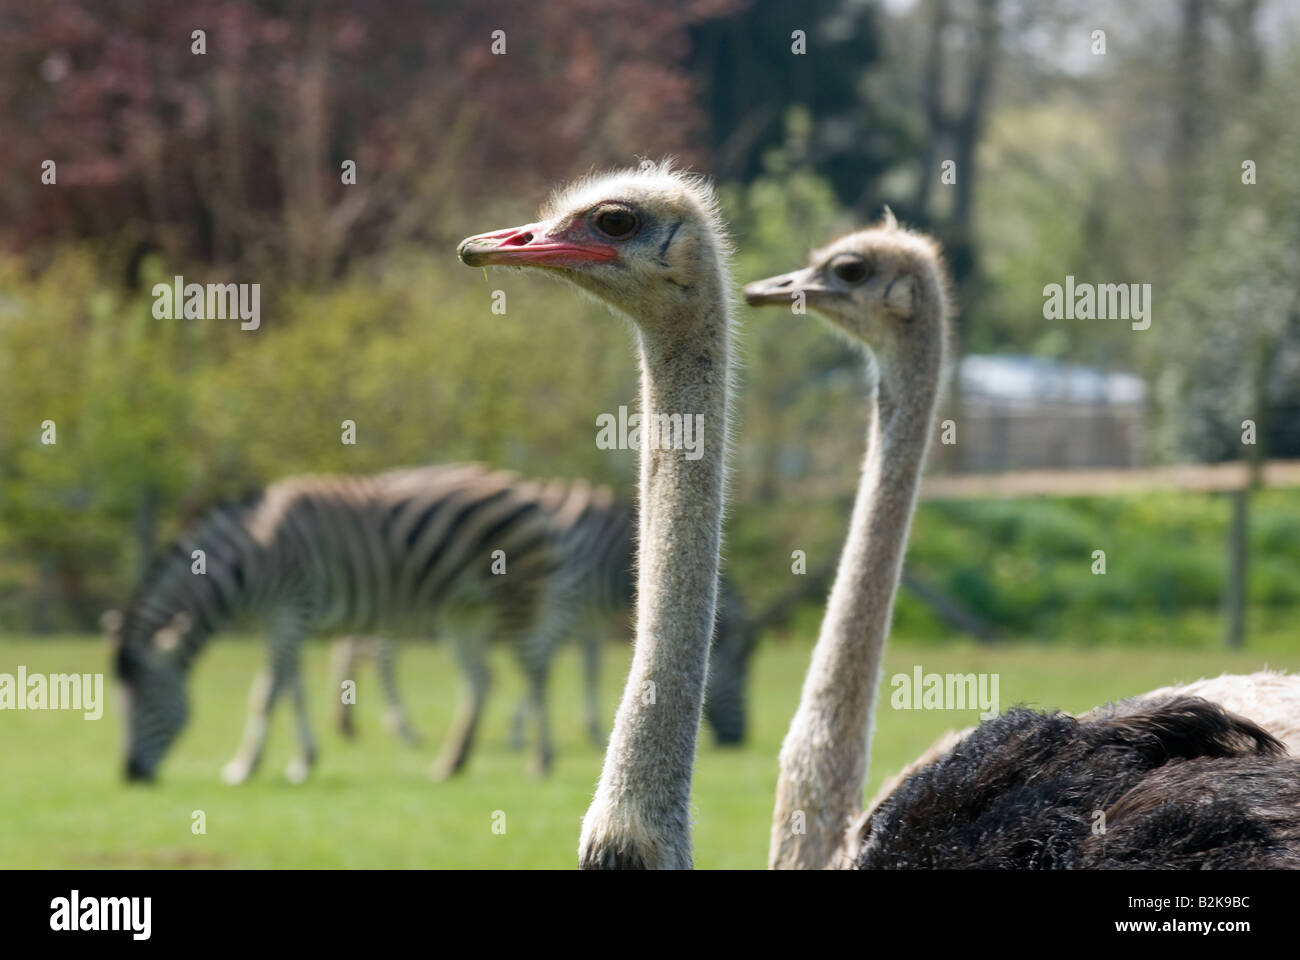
1268 698
1171 783
886 288
651 244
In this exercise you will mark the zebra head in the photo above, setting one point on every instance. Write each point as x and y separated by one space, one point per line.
734 637
151 665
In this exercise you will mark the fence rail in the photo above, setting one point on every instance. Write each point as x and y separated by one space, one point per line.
1084 483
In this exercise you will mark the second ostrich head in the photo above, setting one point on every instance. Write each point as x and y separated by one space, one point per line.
885 288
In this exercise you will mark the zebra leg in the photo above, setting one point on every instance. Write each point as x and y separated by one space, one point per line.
535 654
591 676
286 635
300 765
544 751
470 653
344 659
517 723
385 655
266 687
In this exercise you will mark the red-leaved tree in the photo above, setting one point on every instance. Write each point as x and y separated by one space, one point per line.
235 155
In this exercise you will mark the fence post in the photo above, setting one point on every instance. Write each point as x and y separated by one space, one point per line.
1234 595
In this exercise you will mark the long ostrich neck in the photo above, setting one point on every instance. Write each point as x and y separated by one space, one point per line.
824 757
651 754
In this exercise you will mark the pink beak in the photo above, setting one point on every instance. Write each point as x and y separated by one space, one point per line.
530 246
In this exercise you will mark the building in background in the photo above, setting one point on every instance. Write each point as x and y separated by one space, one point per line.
1024 413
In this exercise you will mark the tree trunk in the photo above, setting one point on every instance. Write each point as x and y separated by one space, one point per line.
934 113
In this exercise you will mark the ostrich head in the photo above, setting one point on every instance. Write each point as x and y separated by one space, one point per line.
885 287
648 242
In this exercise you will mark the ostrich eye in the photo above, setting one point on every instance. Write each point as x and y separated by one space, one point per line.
617 223
851 269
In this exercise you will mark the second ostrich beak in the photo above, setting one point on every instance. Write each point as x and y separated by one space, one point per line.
532 245
782 289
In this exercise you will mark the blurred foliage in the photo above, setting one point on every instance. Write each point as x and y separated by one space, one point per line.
789 363
1094 176
166 416
749 82
226 167
1025 566
1234 352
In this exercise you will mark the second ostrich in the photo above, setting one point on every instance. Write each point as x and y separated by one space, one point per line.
1182 781
885 288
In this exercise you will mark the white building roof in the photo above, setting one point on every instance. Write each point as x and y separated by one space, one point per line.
1038 379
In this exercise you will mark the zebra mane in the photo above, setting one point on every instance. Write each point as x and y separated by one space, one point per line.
178 549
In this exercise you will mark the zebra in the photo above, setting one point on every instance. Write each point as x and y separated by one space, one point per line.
396 550
318 553
600 538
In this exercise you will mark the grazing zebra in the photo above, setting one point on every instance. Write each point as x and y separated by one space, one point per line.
314 554
395 551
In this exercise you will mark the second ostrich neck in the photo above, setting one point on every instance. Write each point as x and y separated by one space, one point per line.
861 601
824 757
651 755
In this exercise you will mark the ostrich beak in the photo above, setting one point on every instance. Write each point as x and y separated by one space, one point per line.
530 246
782 289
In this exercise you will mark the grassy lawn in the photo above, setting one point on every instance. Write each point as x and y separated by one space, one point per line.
369 804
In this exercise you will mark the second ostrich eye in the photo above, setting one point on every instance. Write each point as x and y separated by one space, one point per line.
851 269
616 223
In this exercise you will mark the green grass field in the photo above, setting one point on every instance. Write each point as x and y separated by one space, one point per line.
369 804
